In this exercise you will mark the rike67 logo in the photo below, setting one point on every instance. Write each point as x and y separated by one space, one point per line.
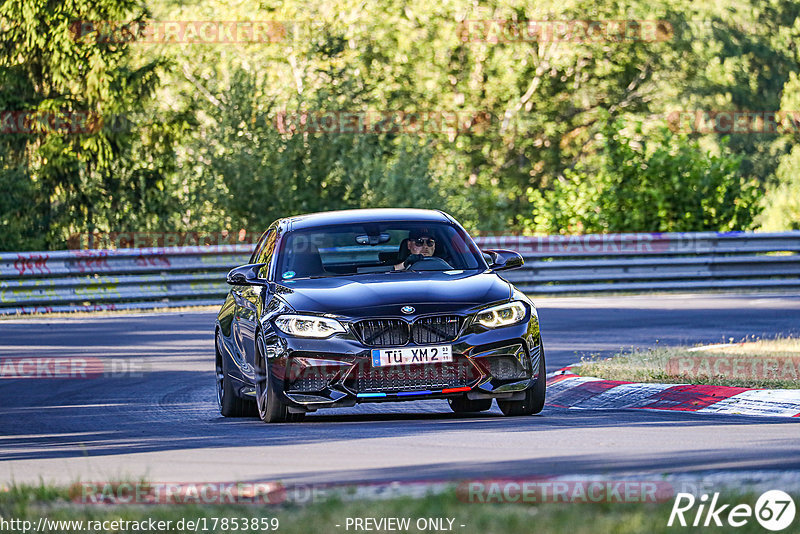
774 510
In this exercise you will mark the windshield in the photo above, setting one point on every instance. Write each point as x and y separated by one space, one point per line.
376 247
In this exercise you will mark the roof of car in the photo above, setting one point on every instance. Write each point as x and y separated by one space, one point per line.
327 218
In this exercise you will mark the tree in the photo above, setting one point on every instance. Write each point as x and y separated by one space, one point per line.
663 183
66 81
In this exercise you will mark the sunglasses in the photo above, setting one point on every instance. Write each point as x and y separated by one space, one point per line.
429 242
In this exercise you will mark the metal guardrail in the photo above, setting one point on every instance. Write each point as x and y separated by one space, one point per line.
75 280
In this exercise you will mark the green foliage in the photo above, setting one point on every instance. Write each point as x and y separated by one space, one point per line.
16 193
68 179
266 174
665 183
560 152
782 200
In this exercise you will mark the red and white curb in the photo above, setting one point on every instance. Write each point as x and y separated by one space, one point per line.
565 389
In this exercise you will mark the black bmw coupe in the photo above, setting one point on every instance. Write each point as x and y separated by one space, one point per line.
377 305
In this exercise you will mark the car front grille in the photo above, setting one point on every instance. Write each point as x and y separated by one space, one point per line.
398 332
395 378
437 329
383 332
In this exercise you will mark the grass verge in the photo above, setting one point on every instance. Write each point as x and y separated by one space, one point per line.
330 516
760 363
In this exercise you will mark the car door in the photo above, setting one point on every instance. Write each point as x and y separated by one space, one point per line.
250 302
244 314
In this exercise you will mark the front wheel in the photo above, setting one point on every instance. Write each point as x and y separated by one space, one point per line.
534 397
270 407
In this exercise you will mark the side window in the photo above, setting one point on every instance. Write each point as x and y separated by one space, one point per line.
260 246
266 252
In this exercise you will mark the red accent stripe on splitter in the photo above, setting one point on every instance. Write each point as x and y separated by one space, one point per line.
690 398
455 390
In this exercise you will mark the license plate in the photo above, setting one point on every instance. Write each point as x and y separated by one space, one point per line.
411 355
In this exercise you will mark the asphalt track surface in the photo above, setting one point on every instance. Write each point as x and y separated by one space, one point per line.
162 423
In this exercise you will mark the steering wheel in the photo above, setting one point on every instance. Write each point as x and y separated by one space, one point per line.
427 263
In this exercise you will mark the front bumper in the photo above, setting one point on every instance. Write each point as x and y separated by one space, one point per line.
337 372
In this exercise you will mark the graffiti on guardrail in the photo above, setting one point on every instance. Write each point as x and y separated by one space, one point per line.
154 261
31 264
91 262
16 295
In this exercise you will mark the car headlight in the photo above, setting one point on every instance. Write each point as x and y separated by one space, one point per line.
308 326
502 315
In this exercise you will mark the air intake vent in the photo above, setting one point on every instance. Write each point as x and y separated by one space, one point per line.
392 379
506 368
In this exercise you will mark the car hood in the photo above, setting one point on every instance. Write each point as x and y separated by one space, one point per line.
385 293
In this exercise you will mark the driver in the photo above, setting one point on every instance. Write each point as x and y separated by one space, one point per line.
420 244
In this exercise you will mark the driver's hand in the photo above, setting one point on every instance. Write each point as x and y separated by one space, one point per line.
412 258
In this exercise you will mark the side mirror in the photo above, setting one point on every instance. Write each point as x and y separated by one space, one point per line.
502 260
247 275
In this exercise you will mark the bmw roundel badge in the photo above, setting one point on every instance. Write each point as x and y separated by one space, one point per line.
407 309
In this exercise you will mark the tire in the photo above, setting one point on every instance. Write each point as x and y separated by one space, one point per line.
269 406
534 397
464 405
230 405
